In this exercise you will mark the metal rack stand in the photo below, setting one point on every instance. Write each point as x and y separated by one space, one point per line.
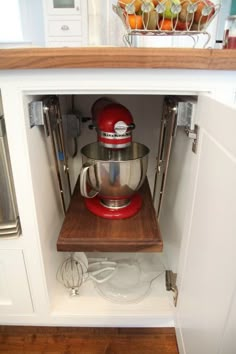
200 31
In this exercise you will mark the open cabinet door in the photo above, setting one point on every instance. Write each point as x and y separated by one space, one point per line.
208 275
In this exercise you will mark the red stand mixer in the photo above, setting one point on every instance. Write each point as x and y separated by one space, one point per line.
114 167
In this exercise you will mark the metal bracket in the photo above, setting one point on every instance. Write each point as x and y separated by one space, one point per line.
171 284
193 134
36 113
186 113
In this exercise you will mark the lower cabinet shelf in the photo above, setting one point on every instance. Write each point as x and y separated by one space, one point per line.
82 231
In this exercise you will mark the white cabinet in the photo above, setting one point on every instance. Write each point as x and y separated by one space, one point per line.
199 203
199 208
15 296
64 7
208 278
66 23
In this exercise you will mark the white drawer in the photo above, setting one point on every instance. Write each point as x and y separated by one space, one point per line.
60 44
64 28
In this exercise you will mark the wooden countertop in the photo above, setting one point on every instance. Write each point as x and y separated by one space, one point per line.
117 57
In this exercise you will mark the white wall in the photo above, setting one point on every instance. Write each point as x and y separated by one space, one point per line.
26 28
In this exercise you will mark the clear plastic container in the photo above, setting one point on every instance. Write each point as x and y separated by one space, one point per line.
229 41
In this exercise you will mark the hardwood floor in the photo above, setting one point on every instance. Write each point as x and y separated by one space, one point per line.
61 340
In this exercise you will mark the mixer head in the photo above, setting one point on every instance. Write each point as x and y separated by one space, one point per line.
114 124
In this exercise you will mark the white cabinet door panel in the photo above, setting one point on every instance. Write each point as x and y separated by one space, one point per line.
229 338
14 289
207 281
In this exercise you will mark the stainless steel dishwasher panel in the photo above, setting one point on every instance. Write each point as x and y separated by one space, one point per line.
9 216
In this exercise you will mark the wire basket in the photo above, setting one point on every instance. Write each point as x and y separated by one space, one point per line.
166 18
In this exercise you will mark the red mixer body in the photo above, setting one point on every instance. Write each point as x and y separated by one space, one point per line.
114 124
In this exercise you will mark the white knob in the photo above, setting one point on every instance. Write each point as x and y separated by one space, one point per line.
65 28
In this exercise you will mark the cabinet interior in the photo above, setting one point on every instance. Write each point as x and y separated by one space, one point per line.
147 111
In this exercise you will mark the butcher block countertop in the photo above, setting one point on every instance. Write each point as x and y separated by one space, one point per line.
117 57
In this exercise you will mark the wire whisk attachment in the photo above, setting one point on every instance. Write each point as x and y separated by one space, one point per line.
74 271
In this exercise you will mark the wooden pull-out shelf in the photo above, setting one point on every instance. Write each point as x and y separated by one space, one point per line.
83 231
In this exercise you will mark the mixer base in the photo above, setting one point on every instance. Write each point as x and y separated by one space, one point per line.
96 207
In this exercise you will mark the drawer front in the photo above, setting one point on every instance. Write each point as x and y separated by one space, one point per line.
64 28
63 44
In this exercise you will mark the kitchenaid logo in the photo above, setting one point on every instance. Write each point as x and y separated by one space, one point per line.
120 127
115 135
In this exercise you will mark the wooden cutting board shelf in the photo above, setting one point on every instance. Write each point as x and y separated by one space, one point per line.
83 231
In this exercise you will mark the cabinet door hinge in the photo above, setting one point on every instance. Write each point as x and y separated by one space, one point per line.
193 134
171 284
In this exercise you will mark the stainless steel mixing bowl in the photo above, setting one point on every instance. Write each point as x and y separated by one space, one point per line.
113 175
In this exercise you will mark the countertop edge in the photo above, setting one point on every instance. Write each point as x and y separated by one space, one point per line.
117 57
